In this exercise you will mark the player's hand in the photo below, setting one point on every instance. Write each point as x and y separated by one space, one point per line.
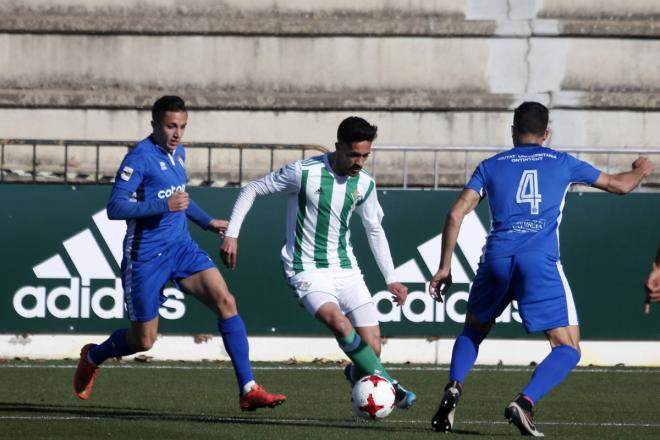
399 292
652 288
643 165
218 226
229 251
178 202
439 285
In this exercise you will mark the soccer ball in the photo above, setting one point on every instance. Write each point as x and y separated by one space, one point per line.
373 397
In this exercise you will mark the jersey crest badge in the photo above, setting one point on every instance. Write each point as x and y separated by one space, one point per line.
126 173
356 196
163 166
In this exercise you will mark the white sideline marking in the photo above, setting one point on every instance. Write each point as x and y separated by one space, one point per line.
328 368
319 421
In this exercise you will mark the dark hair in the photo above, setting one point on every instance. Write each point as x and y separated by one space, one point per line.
167 103
531 117
355 129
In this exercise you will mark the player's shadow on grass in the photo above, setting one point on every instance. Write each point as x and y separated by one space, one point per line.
467 432
113 413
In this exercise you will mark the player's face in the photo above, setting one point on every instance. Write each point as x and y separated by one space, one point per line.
169 131
351 159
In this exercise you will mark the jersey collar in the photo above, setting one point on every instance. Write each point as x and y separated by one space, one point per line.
328 166
162 149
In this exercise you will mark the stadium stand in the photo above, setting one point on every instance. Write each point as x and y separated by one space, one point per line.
286 71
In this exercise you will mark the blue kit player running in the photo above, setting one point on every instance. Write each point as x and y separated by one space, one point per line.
526 187
149 193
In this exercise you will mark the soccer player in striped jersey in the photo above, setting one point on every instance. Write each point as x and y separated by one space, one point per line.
149 193
317 257
526 187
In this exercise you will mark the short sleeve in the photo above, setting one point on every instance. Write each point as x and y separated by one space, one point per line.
477 181
581 171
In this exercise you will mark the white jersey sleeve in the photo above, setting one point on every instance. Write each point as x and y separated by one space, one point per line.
286 179
372 215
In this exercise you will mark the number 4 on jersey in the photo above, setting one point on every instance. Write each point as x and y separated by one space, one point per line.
528 190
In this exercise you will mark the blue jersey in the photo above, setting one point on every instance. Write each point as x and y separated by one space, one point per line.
526 187
147 177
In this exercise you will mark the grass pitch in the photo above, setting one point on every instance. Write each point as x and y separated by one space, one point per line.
200 400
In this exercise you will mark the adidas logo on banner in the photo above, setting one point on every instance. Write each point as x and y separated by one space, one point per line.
420 307
79 299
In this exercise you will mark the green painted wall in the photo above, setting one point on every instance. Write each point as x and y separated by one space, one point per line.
607 242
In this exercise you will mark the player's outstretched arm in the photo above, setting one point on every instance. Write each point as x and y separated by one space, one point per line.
201 218
218 226
625 182
441 281
372 215
286 179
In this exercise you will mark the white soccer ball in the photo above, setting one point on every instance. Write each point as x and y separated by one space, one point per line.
373 397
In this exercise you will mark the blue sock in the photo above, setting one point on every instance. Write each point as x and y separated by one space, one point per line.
464 354
115 346
235 339
551 372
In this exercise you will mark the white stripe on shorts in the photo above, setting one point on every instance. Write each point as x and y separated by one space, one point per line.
570 304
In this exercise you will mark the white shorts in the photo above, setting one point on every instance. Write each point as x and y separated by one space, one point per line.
344 287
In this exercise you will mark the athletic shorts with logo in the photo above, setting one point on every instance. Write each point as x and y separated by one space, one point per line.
343 287
535 280
143 281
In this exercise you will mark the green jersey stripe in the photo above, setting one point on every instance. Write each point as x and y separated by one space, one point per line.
300 222
366 196
351 186
323 219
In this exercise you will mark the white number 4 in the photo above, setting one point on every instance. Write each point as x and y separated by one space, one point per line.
528 190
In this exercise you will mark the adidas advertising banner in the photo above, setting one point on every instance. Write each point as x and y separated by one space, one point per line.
61 256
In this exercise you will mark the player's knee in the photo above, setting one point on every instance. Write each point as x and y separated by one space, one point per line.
226 304
565 336
340 324
479 329
144 342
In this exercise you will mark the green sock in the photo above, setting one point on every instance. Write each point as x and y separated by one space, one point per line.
364 359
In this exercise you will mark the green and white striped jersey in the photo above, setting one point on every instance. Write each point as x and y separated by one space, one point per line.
319 210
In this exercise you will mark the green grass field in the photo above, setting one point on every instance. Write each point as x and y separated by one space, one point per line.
199 400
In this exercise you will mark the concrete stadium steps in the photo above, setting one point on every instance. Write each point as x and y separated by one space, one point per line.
339 17
309 55
278 73
287 71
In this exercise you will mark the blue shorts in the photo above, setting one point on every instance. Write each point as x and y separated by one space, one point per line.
143 281
535 280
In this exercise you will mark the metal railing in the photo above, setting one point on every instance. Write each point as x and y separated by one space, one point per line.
405 150
28 171
32 174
